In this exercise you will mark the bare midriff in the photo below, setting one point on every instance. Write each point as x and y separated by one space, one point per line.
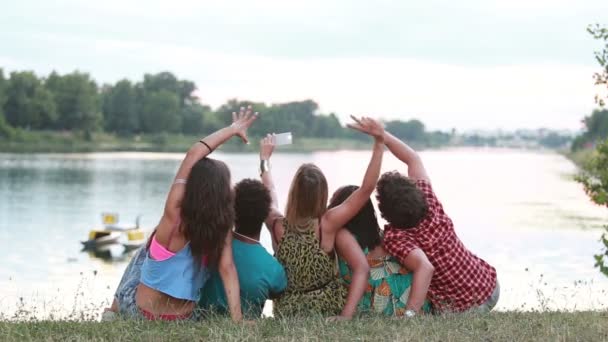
158 303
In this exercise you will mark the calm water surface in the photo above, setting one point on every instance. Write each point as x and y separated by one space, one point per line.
521 211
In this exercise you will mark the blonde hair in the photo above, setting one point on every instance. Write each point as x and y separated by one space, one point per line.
307 195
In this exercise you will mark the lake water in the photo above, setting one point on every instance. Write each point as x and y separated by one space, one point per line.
520 211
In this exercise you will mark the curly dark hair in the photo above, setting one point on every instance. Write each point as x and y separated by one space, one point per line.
400 201
251 206
207 209
364 226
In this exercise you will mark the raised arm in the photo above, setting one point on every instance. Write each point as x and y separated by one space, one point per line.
230 279
350 251
200 150
337 217
403 152
276 233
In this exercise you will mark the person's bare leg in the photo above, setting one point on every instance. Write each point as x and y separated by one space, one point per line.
109 314
114 306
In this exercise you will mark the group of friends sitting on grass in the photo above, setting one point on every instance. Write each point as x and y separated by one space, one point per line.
331 259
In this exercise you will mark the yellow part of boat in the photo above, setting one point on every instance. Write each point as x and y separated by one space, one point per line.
135 235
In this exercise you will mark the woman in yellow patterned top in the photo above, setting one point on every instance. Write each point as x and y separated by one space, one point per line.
389 282
304 238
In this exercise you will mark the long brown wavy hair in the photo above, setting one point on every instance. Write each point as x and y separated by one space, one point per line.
307 197
207 210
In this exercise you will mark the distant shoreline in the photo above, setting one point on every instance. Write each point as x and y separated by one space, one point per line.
31 142
40 142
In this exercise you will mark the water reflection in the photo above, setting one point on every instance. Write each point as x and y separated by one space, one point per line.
111 254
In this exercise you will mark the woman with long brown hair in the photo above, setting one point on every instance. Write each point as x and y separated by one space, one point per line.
193 236
307 237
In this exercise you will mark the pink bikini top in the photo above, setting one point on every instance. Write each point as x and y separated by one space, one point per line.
159 252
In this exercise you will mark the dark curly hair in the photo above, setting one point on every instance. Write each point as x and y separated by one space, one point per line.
400 201
364 226
207 209
251 206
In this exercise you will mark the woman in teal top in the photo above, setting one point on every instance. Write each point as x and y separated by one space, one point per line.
389 282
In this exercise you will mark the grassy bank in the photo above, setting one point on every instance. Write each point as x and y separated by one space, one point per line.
510 326
580 157
68 142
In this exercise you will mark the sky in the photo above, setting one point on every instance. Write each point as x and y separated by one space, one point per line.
468 64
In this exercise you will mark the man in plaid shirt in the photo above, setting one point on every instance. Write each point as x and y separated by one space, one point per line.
422 236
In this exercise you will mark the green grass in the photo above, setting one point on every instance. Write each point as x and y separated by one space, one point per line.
498 326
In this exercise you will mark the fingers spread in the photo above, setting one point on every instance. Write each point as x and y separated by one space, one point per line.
355 127
253 118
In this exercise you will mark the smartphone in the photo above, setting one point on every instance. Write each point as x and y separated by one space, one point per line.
283 139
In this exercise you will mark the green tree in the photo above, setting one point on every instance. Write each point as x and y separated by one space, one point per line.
596 129
168 82
264 125
160 112
412 131
28 104
601 78
77 101
297 117
3 84
6 130
594 176
198 119
327 126
120 108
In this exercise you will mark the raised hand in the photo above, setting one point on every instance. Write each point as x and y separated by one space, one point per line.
368 126
267 147
242 121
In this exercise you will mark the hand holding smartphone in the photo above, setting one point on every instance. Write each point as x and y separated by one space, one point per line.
283 139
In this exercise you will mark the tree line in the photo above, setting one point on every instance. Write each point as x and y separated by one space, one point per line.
596 130
160 103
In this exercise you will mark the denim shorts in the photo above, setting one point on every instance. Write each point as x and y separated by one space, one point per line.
127 288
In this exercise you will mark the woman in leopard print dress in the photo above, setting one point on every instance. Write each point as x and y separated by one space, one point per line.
307 238
313 286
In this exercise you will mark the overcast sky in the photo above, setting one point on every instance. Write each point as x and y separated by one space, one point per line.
466 64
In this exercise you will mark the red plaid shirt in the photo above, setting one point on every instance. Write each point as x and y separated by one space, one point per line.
461 279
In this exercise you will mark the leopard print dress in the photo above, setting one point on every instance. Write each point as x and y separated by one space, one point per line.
313 285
